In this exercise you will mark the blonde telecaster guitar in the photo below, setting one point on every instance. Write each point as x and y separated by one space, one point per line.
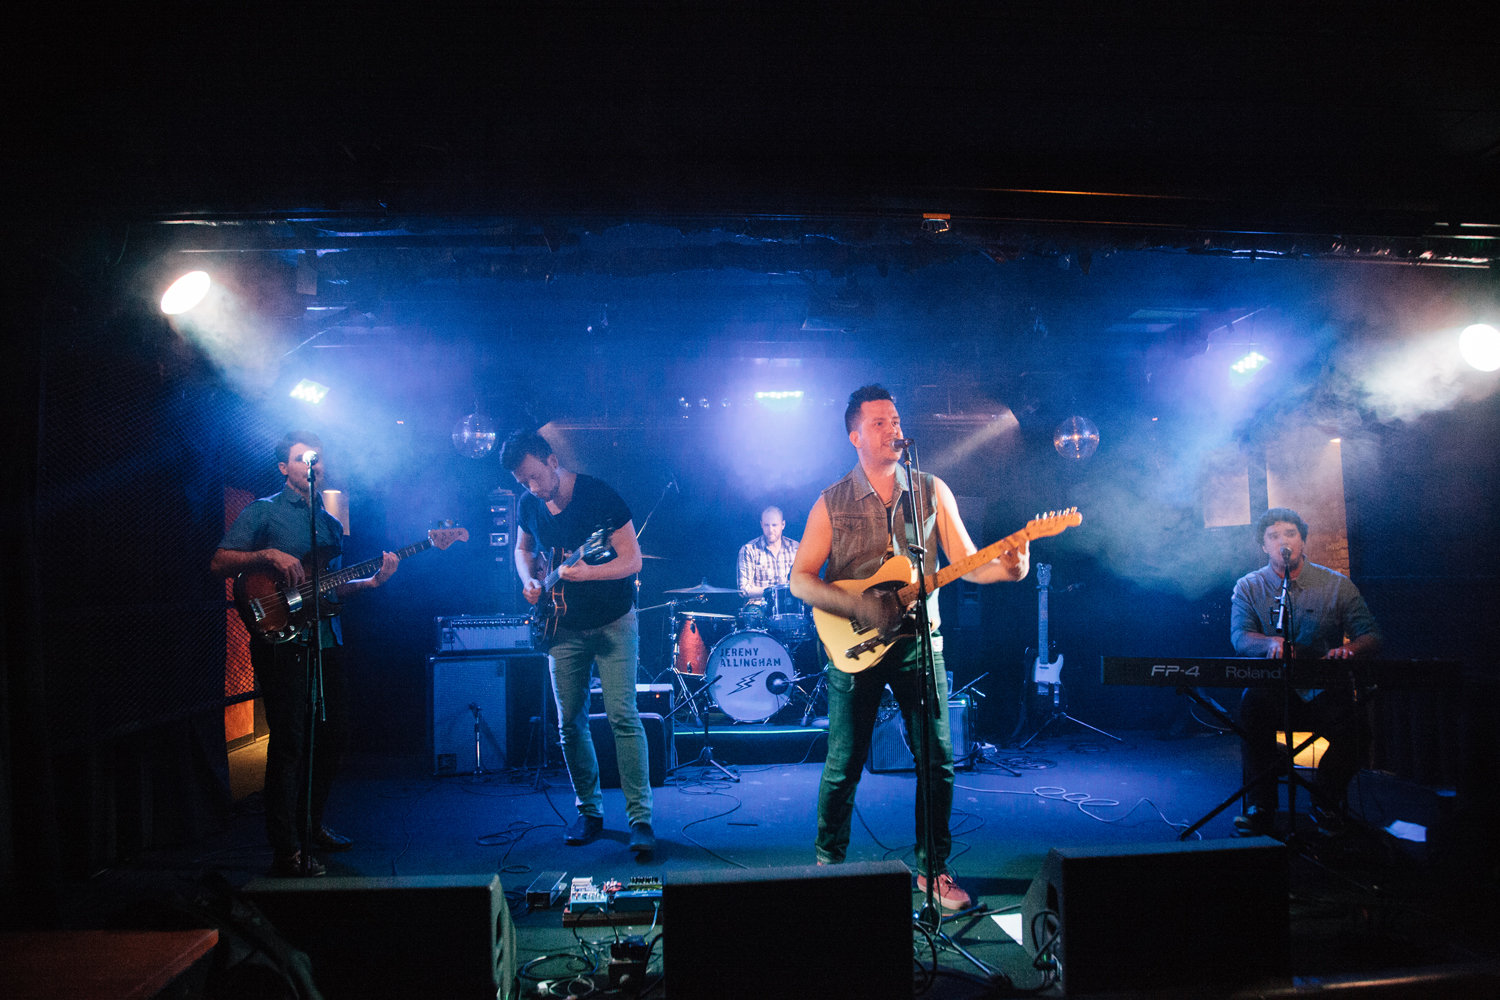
852 647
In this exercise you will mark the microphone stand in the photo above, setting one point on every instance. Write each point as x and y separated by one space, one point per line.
315 706
929 710
1288 653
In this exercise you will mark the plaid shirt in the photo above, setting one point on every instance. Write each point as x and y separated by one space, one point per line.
759 567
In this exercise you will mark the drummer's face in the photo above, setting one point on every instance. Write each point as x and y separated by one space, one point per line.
771 524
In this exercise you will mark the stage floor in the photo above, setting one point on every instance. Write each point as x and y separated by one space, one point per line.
1075 789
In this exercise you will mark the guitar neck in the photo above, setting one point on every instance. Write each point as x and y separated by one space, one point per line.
952 572
1041 623
366 568
555 575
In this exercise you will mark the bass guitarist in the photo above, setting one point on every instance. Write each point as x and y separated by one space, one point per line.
856 525
560 511
271 534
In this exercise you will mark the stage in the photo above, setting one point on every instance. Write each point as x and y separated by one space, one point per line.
1366 907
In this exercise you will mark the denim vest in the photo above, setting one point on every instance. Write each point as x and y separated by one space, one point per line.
861 535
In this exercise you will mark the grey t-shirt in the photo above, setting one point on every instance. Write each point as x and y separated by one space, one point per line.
1326 607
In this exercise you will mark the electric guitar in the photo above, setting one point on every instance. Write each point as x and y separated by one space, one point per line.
552 607
277 612
853 647
1046 678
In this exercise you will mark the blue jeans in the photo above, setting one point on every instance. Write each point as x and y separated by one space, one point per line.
613 649
853 702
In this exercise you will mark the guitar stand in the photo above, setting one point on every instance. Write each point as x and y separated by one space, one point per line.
1059 713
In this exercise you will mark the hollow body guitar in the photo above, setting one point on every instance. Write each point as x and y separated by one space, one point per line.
853 647
552 607
275 611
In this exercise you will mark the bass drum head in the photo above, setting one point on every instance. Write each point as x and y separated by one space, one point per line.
750 675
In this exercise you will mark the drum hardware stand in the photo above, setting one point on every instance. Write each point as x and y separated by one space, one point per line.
705 756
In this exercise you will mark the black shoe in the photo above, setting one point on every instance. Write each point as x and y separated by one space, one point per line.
1256 822
584 829
290 866
642 838
326 840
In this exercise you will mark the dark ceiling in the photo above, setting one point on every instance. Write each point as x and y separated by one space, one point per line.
1329 130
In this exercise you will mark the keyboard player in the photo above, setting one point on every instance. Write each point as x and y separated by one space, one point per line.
1330 619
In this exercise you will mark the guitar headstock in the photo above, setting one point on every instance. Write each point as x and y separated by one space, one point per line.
1053 522
441 538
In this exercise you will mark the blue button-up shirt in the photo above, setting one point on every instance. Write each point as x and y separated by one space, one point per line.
281 522
1326 608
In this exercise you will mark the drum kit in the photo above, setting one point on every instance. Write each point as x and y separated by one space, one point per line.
745 663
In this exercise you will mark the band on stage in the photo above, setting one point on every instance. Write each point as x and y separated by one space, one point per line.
828 624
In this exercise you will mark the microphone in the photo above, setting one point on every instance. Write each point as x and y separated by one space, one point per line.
1286 556
902 442
308 457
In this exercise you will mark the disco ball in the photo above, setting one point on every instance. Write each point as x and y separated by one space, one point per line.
1076 438
474 435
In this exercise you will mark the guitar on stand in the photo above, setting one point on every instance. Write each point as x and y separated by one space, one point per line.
1044 694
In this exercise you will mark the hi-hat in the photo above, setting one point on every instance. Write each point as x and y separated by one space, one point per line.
703 588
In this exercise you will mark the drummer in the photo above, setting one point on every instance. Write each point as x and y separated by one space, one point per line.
766 561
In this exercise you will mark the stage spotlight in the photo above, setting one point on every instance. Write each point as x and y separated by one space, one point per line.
186 292
1480 346
1249 363
309 391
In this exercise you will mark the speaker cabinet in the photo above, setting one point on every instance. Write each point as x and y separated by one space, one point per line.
890 749
815 931
661 748
1157 916
431 935
454 683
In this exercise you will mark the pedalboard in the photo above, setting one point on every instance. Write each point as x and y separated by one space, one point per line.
611 903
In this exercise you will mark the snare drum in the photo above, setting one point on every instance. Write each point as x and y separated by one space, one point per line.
789 616
696 632
750 675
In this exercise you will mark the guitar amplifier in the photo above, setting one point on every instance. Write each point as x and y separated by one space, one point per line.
469 632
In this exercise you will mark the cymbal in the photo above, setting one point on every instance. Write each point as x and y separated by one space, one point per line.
703 588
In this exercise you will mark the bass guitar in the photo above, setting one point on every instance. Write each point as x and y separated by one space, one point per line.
276 611
552 607
853 647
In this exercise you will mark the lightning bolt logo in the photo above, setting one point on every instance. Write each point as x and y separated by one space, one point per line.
746 681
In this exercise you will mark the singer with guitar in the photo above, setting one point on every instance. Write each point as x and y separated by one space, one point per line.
858 525
593 601
271 536
1330 620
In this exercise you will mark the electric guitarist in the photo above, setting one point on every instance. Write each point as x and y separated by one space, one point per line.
855 527
561 509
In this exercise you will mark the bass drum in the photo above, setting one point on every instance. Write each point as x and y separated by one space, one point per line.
750 675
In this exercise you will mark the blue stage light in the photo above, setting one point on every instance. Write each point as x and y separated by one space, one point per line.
1249 363
309 391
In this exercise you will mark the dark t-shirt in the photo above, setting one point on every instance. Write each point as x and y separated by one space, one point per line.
591 603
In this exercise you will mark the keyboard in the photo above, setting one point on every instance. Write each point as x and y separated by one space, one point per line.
1243 672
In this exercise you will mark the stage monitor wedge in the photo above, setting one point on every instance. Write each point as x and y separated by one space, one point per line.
814 931
1161 916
